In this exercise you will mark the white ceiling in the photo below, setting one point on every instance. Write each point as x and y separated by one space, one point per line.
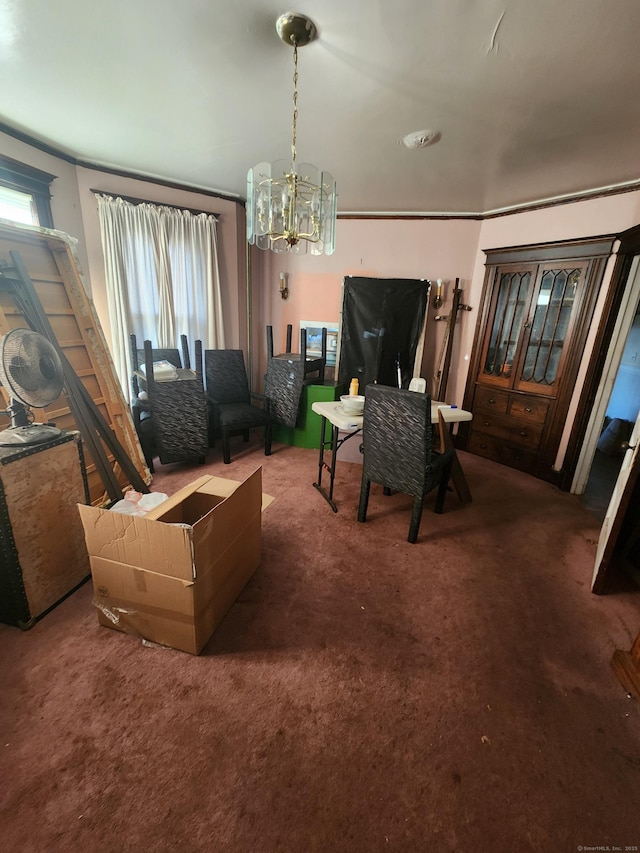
534 99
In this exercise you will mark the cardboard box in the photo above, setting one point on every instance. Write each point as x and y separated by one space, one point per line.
171 576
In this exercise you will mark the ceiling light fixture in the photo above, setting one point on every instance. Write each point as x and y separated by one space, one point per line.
292 208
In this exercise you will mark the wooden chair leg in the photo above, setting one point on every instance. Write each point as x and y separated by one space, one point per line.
133 352
416 516
442 489
186 360
226 448
365 488
457 474
211 429
267 440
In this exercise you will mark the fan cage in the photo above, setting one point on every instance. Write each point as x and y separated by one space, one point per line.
30 368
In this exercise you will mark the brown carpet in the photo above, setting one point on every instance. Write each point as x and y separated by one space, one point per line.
363 694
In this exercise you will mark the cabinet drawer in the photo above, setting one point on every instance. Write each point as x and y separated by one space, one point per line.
510 429
533 409
490 400
493 447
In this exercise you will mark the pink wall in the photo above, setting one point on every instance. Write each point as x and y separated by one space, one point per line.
65 201
429 248
75 212
446 249
381 248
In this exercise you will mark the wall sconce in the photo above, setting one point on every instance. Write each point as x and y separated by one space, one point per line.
284 290
438 299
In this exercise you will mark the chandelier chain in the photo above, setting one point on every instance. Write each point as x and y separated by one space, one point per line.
295 107
287 212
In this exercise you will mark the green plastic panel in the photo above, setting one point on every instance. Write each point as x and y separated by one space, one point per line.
306 433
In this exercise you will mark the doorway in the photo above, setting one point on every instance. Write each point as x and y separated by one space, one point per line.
616 406
601 483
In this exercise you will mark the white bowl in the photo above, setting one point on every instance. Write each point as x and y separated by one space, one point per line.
353 404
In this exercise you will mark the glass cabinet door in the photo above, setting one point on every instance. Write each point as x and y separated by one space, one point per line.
511 305
548 326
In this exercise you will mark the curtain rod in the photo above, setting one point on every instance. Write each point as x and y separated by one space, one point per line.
133 200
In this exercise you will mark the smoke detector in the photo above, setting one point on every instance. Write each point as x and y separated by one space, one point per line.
421 138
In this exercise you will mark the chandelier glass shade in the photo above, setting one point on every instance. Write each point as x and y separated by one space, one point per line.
291 207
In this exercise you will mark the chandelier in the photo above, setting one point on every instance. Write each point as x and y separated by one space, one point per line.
291 207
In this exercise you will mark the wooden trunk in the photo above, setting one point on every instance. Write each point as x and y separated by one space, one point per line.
44 556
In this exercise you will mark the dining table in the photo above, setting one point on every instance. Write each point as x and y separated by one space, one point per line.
344 426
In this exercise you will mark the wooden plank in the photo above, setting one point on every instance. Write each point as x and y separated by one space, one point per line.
627 670
51 263
41 265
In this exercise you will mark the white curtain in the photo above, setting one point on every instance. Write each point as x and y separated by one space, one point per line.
162 277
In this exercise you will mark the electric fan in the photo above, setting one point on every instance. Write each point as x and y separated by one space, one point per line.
31 372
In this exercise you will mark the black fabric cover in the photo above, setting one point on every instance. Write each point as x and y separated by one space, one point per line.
283 388
179 412
397 446
241 416
170 355
226 376
179 416
138 358
382 318
398 440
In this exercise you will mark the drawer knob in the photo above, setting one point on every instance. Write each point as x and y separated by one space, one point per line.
492 401
487 423
483 446
528 409
523 433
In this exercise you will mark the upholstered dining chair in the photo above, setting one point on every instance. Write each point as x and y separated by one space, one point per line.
140 405
397 450
230 403
313 364
283 385
178 410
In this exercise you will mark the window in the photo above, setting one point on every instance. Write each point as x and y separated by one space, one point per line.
162 276
24 193
17 206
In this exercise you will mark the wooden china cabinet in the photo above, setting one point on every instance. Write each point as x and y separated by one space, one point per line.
533 322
